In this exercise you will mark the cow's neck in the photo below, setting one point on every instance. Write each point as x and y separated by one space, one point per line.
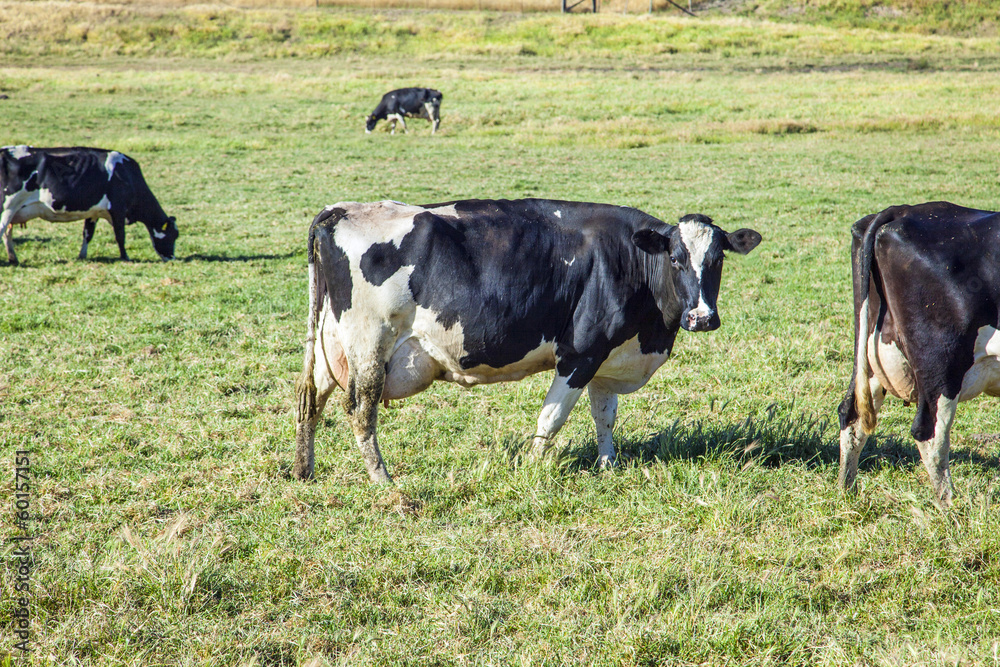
657 276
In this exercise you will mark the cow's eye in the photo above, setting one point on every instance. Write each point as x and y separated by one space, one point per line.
674 262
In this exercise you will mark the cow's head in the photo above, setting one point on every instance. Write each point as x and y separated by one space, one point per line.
370 123
694 250
164 235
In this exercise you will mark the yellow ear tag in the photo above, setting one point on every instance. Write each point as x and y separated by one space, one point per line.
164 228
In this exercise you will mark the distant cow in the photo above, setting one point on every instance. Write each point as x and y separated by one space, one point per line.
64 184
412 102
926 296
485 291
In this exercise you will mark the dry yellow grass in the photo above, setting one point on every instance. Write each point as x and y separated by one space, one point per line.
604 6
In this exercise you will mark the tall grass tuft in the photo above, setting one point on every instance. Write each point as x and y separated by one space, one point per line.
777 436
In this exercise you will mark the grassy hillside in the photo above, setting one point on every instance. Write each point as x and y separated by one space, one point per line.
925 16
66 29
963 17
156 398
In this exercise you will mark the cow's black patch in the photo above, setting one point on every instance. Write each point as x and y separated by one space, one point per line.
335 281
380 262
32 183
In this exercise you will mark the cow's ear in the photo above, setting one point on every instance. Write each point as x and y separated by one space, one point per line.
742 241
651 241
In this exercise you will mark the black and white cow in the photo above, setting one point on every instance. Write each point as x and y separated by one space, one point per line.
64 184
485 291
413 102
926 295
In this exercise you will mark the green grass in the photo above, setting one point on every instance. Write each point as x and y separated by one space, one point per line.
157 397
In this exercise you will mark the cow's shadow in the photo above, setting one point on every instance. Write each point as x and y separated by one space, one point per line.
25 238
775 439
900 451
197 257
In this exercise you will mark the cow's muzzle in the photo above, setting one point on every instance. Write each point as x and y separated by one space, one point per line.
697 320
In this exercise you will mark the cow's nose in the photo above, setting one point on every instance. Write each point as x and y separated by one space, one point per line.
699 321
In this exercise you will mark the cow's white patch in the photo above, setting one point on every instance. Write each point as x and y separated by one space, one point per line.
891 368
558 214
370 223
697 238
19 152
627 369
542 358
559 402
18 199
159 235
446 211
113 160
570 262
984 376
27 204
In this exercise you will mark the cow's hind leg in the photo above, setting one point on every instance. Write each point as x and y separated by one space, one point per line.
853 435
604 410
8 241
365 384
312 390
88 234
933 435
559 402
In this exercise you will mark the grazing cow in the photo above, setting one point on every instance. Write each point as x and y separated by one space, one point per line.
63 184
489 291
926 295
412 102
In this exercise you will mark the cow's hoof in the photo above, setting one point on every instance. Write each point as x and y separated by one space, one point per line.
303 474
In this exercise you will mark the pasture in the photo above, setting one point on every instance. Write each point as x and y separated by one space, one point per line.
156 399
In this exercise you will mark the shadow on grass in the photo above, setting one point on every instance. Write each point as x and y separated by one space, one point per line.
771 441
236 258
18 240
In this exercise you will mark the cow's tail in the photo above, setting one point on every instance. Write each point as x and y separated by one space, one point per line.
863 401
305 386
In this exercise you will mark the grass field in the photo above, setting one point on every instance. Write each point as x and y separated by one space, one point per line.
156 398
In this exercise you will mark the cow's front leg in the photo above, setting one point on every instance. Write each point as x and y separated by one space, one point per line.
118 224
88 234
8 241
935 450
364 392
559 402
604 410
